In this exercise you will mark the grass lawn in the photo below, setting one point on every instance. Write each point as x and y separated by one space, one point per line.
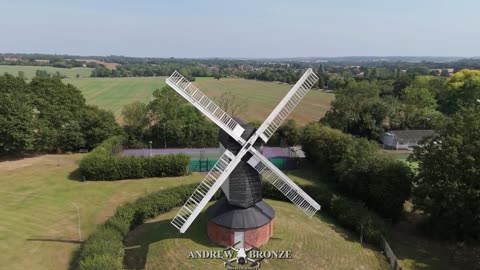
315 244
38 228
114 93
30 71
264 96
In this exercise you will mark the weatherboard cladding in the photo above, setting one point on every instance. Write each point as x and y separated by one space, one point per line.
244 183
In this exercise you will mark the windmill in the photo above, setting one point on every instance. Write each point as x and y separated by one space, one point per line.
242 216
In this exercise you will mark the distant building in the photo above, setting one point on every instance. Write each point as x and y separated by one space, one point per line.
11 59
405 139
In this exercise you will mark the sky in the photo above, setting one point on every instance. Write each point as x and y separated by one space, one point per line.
242 29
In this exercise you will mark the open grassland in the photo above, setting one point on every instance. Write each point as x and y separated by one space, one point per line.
30 71
114 93
264 96
39 223
315 244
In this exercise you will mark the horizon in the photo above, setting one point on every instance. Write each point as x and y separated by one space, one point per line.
251 30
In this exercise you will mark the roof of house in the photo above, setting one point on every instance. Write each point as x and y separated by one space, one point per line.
411 134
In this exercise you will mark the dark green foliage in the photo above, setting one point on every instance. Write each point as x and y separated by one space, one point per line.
105 248
103 164
287 134
46 115
447 186
16 116
348 213
168 121
356 167
359 110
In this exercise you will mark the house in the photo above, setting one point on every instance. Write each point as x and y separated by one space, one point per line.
405 139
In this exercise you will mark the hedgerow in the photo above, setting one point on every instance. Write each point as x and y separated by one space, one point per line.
350 214
103 163
105 248
358 169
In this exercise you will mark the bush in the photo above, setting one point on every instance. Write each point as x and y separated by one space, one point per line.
349 214
359 169
105 248
103 163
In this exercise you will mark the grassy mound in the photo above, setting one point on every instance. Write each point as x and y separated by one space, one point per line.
315 243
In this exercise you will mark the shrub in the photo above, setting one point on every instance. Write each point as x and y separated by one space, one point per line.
103 163
359 169
348 213
105 248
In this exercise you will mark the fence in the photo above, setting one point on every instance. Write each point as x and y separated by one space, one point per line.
204 165
390 255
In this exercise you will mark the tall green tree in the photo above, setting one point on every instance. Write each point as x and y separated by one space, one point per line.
17 116
358 110
447 187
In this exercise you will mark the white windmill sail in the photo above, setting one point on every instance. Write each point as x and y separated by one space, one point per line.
288 103
191 93
205 191
286 186
228 161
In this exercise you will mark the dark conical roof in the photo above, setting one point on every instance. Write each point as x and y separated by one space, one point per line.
224 214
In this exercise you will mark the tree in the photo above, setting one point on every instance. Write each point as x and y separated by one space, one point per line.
16 117
447 186
288 133
135 118
173 121
42 74
232 104
358 110
21 74
463 90
97 125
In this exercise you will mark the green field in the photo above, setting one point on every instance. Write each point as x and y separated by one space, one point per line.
113 93
315 244
30 71
39 225
264 96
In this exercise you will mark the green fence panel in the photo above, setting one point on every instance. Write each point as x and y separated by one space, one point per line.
197 165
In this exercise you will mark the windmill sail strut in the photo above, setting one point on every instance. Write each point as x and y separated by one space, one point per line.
228 161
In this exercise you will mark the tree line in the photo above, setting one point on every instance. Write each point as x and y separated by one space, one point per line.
45 115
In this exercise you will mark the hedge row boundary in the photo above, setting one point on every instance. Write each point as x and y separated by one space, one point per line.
104 163
105 248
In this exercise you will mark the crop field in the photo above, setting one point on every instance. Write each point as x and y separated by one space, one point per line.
113 93
315 244
30 71
264 96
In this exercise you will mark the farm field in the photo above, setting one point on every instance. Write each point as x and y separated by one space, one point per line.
30 71
39 224
315 244
264 96
113 93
